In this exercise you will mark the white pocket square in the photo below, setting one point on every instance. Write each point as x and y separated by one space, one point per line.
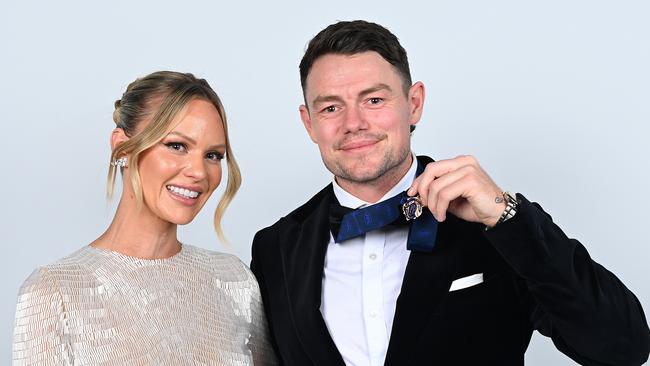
466 282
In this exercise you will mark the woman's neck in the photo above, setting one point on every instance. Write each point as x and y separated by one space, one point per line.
137 232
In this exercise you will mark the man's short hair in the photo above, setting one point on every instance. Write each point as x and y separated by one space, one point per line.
352 37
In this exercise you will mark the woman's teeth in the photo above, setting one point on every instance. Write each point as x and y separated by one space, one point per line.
183 192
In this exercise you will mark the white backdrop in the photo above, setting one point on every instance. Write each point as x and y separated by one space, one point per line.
553 98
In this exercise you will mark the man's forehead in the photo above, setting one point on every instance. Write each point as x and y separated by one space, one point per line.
333 62
335 74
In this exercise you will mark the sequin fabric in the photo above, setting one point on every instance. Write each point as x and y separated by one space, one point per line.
99 307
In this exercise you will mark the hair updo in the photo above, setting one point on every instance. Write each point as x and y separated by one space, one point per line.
158 98
116 112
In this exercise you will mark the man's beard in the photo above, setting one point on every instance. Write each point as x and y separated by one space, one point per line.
386 166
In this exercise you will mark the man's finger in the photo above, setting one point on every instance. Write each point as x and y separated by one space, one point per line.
450 193
435 187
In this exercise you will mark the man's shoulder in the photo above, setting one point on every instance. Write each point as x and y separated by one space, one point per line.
266 240
424 160
307 208
301 213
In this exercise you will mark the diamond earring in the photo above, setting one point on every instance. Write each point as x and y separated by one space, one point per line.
120 163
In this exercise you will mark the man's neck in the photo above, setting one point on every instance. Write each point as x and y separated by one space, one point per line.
373 191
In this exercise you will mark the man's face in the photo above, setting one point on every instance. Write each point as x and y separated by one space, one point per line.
358 114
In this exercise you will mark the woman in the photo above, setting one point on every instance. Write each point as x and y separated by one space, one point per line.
136 295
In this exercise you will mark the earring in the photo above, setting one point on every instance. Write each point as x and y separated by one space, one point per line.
120 163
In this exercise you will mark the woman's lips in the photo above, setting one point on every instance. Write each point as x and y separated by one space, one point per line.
183 195
182 199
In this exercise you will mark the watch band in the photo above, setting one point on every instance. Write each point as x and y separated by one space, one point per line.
511 208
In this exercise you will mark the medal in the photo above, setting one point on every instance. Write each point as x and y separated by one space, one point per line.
412 208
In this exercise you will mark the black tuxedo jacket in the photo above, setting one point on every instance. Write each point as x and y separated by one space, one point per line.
534 278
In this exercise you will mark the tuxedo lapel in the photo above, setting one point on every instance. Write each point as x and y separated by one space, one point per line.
303 246
426 283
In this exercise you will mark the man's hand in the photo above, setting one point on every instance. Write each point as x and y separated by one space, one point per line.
461 186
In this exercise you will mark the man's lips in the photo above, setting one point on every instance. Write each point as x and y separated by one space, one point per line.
358 144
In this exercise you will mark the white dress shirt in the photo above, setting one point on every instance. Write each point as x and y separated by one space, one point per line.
362 278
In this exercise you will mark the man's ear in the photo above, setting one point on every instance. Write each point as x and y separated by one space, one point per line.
118 136
306 121
416 102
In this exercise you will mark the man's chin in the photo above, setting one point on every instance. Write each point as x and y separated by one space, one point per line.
359 174
365 171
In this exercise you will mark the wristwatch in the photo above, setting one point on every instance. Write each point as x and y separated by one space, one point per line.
511 208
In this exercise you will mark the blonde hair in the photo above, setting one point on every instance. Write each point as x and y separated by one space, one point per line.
159 97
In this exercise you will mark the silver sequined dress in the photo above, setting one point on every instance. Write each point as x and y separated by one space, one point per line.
99 307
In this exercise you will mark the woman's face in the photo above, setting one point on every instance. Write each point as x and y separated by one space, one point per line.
180 173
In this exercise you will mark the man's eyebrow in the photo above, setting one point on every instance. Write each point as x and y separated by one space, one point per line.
373 89
335 98
326 99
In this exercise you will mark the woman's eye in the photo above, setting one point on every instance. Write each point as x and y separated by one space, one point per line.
176 146
214 156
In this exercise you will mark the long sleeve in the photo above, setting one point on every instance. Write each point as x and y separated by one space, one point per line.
39 331
259 342
588 312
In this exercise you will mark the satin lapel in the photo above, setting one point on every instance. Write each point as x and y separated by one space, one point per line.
303 252
426 283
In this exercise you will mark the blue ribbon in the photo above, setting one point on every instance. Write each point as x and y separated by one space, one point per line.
422 230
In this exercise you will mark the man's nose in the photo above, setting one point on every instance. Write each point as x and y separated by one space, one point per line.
354 120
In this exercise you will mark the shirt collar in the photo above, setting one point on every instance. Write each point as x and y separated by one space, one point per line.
348 200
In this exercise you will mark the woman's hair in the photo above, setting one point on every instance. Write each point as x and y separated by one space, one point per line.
158 98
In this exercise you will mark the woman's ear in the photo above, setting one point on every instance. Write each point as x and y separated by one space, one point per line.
118 136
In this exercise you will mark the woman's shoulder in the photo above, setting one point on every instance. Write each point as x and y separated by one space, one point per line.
225 266
51 274
45 281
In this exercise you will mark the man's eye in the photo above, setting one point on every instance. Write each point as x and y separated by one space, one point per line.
176 146
375 100
214 156
330 109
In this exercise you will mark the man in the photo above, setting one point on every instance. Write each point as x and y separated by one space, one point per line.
483 268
